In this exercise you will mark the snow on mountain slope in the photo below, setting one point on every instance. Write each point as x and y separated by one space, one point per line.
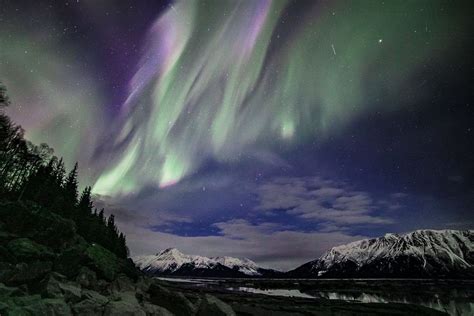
171 260
245 265
422 253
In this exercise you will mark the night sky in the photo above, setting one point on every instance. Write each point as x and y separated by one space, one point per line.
271 130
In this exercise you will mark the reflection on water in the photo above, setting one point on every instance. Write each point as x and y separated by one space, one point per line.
180 280
457 307
454 297
454 306
273 292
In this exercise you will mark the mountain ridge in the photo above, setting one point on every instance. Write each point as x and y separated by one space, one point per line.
173 262
421 253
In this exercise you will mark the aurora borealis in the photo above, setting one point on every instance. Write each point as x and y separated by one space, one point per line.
217 80
238 124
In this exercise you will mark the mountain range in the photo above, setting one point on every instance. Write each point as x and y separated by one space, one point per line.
174 263
419 254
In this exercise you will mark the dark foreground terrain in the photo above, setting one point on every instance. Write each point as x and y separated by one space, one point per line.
47 268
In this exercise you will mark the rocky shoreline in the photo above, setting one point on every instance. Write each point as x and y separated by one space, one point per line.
56 295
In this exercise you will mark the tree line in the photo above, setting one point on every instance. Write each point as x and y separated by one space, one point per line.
30 172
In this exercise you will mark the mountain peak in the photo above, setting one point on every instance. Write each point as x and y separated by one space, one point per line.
171 251
171 260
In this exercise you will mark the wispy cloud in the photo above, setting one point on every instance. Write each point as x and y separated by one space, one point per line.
157 218
321 200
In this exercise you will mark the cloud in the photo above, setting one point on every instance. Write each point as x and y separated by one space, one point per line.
268 244
333 203
334 211
140 219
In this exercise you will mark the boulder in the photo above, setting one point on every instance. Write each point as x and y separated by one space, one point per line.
71 292
125 304
92 304
143 283
102 261
94 296
155 310
7 270
29 273
6 291
211 305
49 286
175 302
69 262
141 288
26 249
87 278
88 307
122 284
35 306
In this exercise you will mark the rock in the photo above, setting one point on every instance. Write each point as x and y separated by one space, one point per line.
143 284
211 305
7 270
88 307
6 291
103 287
141 288
175 302
30 273
34 305
122 284
56 307
94 296
102 261
71 292
125 304
155 310
92 303
49 286
69 262
56 285
86 278
26 249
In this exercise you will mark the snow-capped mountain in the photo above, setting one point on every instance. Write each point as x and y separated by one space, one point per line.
420 254
172 262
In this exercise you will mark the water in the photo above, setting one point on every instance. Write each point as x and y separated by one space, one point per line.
273 292
454 306
196 281
454 297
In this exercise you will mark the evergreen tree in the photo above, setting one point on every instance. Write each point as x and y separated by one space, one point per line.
70 187
4 100
85 202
